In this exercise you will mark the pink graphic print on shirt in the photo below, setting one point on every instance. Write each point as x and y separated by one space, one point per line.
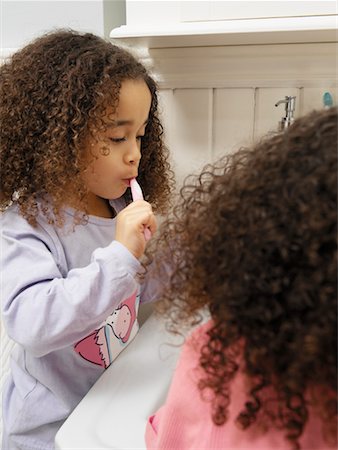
103 345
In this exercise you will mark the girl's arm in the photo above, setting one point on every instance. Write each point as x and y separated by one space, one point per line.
155 281
45 310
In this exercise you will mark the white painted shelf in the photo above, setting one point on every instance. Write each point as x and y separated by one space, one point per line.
231 32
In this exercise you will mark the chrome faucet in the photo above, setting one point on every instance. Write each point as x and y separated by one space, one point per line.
290 105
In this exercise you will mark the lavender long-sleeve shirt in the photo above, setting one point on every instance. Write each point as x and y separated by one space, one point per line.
69 299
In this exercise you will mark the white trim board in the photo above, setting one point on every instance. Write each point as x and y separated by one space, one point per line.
294 65
230 32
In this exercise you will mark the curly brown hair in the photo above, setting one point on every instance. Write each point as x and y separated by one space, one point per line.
53 93
254 241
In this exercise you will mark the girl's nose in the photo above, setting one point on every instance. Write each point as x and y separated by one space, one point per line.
134 153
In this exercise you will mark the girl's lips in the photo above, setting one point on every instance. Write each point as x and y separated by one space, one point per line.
127 180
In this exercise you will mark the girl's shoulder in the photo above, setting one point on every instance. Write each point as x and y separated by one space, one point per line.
13 215
23 236
199 335
195 341
13 223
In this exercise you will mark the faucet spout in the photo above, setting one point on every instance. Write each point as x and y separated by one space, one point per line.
280 101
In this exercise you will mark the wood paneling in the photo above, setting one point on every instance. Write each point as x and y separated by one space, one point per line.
217 99
190 135
233 119
202 125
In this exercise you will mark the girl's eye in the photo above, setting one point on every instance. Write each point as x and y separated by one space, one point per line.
117 140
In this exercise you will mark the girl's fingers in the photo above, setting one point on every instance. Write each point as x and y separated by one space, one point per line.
134 226
152 223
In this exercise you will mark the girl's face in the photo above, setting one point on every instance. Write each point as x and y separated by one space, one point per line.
114 155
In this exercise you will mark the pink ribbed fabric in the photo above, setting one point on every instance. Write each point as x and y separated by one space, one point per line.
184 422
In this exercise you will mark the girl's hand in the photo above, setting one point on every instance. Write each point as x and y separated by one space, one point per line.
130 225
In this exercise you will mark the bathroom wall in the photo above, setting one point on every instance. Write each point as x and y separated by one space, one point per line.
216 99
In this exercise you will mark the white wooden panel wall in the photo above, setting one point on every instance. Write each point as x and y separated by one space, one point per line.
217 99
203 124
187 117
233 120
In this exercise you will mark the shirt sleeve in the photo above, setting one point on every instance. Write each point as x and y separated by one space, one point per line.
156 280
43 310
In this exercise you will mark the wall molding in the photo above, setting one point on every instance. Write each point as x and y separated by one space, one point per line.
275 30
249 66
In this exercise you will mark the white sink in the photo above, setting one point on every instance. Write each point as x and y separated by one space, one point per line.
114 413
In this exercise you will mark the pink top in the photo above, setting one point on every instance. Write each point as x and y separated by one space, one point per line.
184 421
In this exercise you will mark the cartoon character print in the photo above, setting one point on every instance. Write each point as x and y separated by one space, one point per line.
103 345
121 321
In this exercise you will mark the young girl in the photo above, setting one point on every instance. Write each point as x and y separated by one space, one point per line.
254 241
78 120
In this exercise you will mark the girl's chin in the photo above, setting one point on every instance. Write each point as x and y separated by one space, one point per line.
119 194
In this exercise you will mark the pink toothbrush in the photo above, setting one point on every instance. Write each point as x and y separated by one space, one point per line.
136 193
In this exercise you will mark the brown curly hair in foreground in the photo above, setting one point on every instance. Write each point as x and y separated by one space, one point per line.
254 241
53 93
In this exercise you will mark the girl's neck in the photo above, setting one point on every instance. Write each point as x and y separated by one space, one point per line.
96 206
99 207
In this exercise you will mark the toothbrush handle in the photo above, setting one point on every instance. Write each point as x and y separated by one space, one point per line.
147 234
137 194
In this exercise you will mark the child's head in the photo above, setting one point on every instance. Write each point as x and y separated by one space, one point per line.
58 97
254 241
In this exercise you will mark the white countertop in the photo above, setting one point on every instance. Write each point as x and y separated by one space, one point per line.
114 413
